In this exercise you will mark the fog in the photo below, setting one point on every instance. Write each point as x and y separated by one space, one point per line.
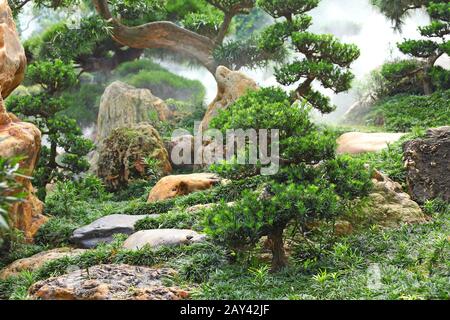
353 21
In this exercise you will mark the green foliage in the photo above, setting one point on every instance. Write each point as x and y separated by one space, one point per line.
66 43
434 44
144 73
203 23
343 268
403 113
43 109
326 60
169 220
313 183
10 190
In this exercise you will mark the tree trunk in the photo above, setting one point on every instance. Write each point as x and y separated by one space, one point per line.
427 83
163 35
279 260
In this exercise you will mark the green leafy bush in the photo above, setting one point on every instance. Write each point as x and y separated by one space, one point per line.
144 73
313 184
403 113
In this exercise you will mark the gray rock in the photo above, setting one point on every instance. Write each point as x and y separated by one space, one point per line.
103 229
428 165
109 282
162 237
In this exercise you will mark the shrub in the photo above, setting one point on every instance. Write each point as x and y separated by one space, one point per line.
313 183
402 113
144 73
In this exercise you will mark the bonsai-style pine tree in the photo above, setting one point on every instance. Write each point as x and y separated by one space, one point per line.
317 58
428 50
64 149
193 29
312 184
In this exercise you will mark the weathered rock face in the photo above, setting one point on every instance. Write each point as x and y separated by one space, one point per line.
12 58
162 237
230 86
109 282
361 142
103 229
38 260
390 206
183 184
122 105
122 153
17 138
356 113
428 165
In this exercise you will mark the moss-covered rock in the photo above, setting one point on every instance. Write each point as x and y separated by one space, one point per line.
122 154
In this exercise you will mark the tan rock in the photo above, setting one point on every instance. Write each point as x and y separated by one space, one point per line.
38 260
230 86
361 142
122 105
109 282
390 206
343 228
12 58
183 184
24 139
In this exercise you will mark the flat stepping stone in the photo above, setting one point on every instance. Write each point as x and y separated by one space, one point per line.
103 229
38 260
162 237
109 282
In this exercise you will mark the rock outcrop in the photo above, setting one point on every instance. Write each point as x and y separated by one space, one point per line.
12 58
361 142
102 230
122 105
38 260
122 154
230 86
162 237
183 184
428 165
390 206
109 282
17 138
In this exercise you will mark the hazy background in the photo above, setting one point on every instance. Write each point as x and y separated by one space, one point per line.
353 21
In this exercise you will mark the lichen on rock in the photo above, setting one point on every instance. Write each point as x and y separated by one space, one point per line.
121 157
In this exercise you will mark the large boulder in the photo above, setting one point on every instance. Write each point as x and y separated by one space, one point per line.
122 105
17 138
12 58
390 206
109 282
182 184
428 165
162 237
102 230
38 260
231 85
361 142
122 154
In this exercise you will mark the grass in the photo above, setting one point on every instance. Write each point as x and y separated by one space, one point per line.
376 264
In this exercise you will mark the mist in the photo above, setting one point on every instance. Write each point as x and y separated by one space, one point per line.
352 21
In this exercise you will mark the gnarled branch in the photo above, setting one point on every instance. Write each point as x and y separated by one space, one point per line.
161 34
